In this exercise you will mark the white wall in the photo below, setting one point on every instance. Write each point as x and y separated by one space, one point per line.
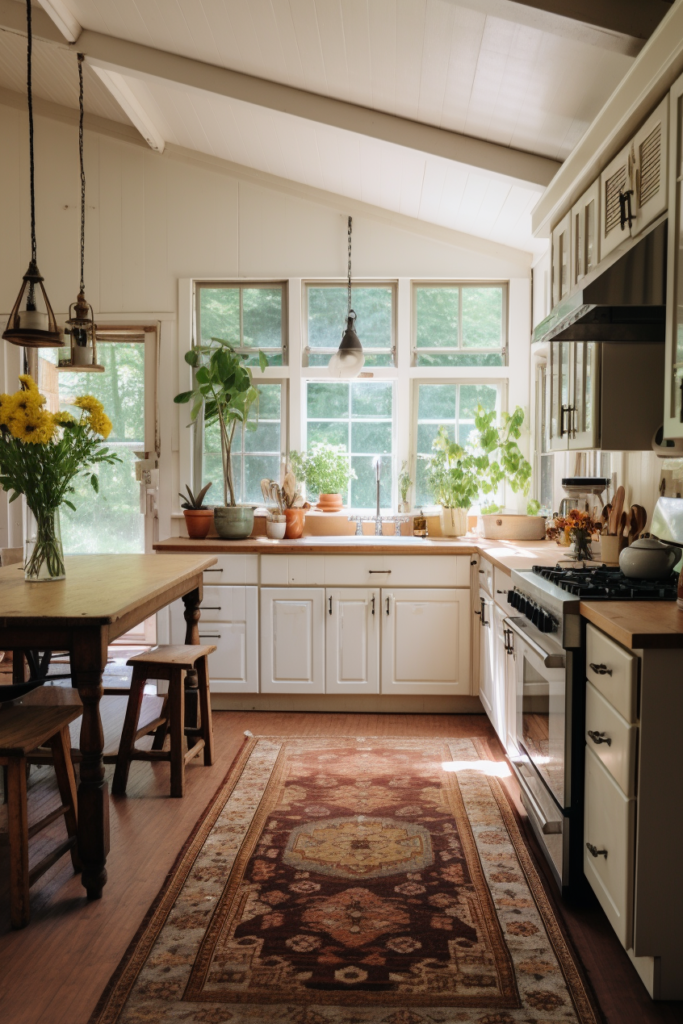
152 220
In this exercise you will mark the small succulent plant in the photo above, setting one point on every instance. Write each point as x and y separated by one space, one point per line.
194 502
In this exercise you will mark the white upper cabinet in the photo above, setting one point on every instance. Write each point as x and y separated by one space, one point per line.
616 191
573 398
561 259
353 619
673 387
426 641
585 220
292 640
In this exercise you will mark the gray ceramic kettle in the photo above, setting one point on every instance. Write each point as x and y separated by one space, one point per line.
648 559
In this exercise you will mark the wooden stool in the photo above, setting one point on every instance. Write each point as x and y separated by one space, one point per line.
170 663
22 729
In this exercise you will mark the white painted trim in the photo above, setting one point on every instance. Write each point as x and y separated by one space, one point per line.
62 18
119 88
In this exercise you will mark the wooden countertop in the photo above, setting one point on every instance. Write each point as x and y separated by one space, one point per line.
637 624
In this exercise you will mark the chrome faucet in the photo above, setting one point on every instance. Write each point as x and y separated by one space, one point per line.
377 466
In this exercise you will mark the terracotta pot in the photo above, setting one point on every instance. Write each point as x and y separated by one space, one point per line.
330 503
198 522
295 522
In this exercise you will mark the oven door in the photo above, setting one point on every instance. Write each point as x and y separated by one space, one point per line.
541 718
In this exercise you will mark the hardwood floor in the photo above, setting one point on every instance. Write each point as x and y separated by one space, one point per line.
54 971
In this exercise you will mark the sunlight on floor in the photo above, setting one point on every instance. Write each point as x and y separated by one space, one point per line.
498 768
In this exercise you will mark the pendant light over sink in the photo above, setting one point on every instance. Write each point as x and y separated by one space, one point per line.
32 322
81 328
349 358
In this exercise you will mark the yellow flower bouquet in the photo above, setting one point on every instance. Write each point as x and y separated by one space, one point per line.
40 454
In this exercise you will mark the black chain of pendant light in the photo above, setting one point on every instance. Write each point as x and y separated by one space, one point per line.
29 96
81 58
348 360
348 311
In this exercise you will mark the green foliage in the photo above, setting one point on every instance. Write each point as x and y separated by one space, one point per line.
404 482
260 323
225 391
452 474
193 501
327 307
505 461
325 468
533 507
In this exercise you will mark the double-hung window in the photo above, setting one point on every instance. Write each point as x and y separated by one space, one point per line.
460 325
326 308
249 316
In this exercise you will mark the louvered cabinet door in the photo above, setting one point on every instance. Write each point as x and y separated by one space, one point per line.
651 155
617 179
585 220
561 259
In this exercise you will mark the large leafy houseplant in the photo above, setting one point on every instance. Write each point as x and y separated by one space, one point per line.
452 473
498 456
224 388
324 467
40 455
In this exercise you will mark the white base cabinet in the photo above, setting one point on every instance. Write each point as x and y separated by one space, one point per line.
229 620
484 615
352 640
292 640
425 641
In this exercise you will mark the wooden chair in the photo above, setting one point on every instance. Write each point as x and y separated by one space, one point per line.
170 663
22 729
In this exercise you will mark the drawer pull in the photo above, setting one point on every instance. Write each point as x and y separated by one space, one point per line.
209 636
601 670
501 591
211 607
594 852
213 570
599 737
379 572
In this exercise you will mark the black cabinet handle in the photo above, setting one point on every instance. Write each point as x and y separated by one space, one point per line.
484 620
379 572
599 737
600 670
330 605
373 604
594 852
626 213
564 410
209 636
387 606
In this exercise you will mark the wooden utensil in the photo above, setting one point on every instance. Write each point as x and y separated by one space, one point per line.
617 509
289 488
265 490
604 517
625 518
638 522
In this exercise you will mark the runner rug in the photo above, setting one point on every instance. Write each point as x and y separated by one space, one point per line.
352 881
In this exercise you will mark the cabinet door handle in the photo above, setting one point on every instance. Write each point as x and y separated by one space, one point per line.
594 852
599 737
210 607
600 670
625 208
681 387
572 420
330 605
484 620
387 606
213 570
209 636
563 412
373 604
379 572
501 591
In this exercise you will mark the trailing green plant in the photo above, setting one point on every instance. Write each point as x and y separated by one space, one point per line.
192 501
533 507
224 388
452 474
404 482
324 468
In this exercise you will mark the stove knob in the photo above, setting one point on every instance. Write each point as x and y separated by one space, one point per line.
529 609
513 598
546 624
537 615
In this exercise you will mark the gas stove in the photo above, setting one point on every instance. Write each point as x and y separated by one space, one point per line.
602 583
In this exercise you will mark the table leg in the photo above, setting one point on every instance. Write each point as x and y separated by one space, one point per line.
192 602
88 661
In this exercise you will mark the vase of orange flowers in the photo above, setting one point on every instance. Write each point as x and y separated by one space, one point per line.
40 454
576 527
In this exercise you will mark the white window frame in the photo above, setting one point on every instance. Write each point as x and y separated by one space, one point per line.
440 350
514 375
241 286
356 283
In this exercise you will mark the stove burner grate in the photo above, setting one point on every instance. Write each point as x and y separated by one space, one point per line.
603 583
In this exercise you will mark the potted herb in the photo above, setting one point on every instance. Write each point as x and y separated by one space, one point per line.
326 472
198 518
404 485
453 477
224 389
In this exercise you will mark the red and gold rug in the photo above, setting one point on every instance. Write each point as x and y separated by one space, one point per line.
352 881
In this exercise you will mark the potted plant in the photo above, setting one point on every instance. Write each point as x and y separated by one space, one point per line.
500 459
198 518
404 485
325 470
453 478
224 388
288 521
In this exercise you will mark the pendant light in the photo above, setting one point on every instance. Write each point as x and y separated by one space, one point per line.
81 327
349 358
28 325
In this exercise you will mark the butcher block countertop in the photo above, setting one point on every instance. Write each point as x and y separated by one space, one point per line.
638 624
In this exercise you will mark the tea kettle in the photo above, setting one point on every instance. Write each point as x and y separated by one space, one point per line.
648 559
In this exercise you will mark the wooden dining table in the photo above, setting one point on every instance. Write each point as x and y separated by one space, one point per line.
101 598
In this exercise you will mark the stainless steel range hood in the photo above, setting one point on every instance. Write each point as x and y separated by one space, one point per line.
625 302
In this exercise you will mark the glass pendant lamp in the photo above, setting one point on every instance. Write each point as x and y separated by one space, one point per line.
32 322
81 328
349 358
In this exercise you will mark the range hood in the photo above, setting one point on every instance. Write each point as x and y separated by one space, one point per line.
625 302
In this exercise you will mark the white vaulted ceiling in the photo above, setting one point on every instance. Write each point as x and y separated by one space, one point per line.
484 69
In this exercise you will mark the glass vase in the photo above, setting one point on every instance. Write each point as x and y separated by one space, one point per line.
582 545
43 552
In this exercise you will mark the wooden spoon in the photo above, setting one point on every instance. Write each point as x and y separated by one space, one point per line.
623 522
638 522
604 517
289 488
617 509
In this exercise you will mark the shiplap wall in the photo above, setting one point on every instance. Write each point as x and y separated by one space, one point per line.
152 220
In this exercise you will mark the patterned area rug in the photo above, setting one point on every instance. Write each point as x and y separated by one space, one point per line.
352 881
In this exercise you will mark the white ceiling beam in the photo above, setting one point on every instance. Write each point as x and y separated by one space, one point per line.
62 18
13 19
147 63
131 106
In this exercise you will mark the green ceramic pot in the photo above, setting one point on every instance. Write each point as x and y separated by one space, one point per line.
234 523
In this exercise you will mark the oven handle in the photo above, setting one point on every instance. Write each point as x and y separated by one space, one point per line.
548 826
549 660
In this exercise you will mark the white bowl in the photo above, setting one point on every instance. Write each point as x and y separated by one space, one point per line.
275 530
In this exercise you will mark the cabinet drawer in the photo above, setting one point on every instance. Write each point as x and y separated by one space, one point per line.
613 671
613 740
233 666
502 582
486 576
233 569
609 826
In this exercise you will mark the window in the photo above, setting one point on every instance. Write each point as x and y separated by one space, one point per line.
453 406
249 316
327 306
357 414
460 325
255 453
